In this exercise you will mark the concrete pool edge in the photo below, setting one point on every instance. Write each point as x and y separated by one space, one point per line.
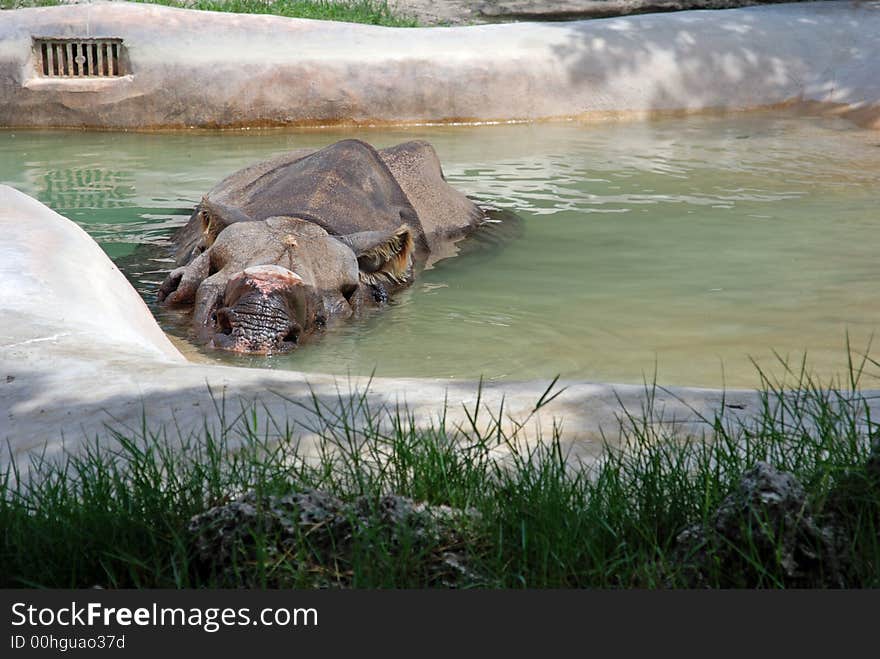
291 72
81 354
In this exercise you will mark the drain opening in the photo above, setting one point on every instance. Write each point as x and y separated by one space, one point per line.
79 58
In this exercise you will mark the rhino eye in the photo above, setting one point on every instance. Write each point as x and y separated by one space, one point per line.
380 295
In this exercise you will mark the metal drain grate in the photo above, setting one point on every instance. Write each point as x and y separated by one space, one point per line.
79 58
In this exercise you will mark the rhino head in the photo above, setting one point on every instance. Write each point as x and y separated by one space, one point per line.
264 287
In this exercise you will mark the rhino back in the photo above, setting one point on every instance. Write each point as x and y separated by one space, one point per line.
228 190
445 213
344 188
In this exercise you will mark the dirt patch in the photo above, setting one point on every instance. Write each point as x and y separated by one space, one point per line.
467 12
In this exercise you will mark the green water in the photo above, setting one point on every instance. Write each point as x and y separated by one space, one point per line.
689 247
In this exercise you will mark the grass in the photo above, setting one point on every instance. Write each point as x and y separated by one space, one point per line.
119 518
372 12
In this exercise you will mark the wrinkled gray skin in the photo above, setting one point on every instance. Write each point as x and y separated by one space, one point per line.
278 250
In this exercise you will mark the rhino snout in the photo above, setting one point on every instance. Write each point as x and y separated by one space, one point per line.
261 311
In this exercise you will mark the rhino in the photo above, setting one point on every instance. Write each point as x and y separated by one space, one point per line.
277 251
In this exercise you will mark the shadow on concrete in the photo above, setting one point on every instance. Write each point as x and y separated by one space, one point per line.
702 65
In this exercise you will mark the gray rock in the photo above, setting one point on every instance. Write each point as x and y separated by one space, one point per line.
313 532
762 533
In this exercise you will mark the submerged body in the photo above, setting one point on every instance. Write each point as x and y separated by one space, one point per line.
278 250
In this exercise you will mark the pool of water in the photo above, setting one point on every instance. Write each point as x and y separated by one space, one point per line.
688 248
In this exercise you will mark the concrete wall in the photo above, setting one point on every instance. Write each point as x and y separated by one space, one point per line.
204 69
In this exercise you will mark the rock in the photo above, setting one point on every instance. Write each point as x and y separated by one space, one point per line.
852 510
313 532
761 534
463 12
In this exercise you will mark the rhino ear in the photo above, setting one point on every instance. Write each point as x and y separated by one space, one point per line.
215 217
209 221
382 257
